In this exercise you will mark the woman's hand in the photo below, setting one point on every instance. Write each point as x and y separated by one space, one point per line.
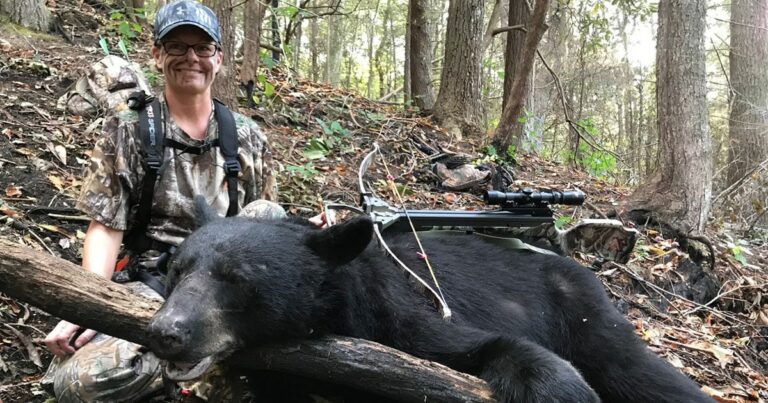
58 340
323 221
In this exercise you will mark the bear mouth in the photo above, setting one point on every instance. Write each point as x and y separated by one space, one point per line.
186 371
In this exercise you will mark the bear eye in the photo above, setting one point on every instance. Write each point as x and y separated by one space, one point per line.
240 274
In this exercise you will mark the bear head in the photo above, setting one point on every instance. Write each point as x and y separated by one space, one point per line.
241 282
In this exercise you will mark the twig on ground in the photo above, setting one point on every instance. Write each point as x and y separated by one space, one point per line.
70 217
34 355
596 210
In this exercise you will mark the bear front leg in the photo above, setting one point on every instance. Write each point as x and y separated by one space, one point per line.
519 370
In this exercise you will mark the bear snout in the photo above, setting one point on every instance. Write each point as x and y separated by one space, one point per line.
168 335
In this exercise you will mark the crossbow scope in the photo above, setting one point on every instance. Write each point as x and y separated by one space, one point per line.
528 197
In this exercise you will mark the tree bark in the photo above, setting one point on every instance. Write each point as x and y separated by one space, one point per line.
407 92
225 85
514 60
314 40
65 290
276 42
334 46
420 56
371 62
254 17
679 193
748 145
32 14
504 135
458 108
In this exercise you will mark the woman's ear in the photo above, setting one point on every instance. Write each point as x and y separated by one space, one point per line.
219 60
157 55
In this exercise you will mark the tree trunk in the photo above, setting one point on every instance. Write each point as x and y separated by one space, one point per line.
392 48
748 145
333 48
505 135
65 290
254 17
378 62
458 108
371 62
514 58
679 193
314 46
275 33
407 92
420 56
32 14
296 55
225 85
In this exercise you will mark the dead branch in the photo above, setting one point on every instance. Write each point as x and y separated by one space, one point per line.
510 28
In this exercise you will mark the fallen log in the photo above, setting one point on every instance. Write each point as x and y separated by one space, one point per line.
65 290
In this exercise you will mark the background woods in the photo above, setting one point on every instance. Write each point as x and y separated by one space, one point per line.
657 109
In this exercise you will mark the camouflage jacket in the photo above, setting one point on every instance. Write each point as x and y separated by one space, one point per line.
114 178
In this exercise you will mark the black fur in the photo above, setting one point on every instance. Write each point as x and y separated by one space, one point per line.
538 328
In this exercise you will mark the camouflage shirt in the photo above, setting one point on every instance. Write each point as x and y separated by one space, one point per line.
113 180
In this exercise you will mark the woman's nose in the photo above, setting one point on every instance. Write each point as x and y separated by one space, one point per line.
191 55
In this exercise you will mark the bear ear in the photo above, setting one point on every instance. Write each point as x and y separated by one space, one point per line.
204 213
342 242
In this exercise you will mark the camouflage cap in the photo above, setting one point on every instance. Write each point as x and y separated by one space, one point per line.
186 12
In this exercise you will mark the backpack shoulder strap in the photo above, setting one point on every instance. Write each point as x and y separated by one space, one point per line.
228 144
151 134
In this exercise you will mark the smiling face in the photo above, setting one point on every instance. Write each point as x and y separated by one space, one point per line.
188 74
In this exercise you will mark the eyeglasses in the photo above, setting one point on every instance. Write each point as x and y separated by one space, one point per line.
175 48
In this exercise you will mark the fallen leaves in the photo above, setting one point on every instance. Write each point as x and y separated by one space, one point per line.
59 152
12 191
723 355
9 212
27 152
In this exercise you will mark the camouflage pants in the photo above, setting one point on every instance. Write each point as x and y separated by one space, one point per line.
109 369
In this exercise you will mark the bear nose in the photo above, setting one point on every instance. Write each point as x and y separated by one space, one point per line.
168 335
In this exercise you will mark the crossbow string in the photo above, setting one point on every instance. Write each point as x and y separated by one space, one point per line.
436 295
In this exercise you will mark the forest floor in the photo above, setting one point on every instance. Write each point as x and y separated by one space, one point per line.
723 345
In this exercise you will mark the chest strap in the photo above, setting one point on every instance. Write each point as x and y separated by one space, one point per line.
152 135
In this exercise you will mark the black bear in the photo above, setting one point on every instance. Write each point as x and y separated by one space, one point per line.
536 327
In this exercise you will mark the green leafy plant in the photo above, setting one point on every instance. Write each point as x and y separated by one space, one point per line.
333 128
318 148
489 150
563 221
151 76
333 139
269 89
488 154
597 162
738 253
125 28
267 60
512 152
306 171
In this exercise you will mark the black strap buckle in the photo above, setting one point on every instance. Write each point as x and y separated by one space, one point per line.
154 163
232 167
